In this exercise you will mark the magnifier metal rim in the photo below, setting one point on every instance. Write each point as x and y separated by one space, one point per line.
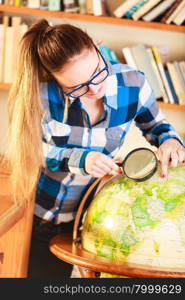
148 175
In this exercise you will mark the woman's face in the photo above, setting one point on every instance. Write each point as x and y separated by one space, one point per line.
79 70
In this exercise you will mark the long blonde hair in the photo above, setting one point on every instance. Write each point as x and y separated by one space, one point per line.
44 49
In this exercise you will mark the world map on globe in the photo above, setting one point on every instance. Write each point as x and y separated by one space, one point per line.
139 222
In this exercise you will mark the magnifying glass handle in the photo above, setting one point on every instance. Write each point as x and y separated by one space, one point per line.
120 164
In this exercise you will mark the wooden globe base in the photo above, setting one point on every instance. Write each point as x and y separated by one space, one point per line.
89 264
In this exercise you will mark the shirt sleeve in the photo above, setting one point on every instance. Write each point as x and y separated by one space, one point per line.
64 159
61 158
150 119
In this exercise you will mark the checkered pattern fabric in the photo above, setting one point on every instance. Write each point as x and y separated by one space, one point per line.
64 181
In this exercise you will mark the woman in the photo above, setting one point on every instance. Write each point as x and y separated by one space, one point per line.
67 96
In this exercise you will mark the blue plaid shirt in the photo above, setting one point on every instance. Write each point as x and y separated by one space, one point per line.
63 181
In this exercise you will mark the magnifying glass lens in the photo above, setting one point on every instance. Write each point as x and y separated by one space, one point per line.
140 164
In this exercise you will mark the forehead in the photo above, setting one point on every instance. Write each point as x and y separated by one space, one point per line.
79 69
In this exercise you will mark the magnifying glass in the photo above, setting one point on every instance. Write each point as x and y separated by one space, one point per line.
140 164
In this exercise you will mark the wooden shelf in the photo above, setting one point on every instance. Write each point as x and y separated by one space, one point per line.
91 18
6 86
172 106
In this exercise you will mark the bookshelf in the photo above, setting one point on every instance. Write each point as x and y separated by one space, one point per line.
6 87
90 18
97 19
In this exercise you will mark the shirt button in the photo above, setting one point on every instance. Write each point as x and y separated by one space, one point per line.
88 130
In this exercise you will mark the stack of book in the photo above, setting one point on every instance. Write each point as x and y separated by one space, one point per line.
10 36
166 79
94 7
165 11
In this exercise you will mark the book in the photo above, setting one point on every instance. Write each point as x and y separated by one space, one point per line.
2 37
143 63
180 18
170 11
176 83
124 7
175 12
144 9
129 57
6 20
176 100
17 3
44 4
33 3
16 22
180 76
97 8
158 10
8 58
182 67
135 8
70 5
82 6
159 79
54 5
162 74
109 54
89 7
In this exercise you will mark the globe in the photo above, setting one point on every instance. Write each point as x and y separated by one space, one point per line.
139 222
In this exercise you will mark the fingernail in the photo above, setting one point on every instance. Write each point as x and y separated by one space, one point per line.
183 162
164 175
120 171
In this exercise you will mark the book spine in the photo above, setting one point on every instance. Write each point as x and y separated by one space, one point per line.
44 4
182 67
158 76
135 8
129 57
175 12
2 38
124 7
170 11
18 3
144 9
171 87
158 10
70 6
97 8
163 76
82 6
179 19
54 5
33 3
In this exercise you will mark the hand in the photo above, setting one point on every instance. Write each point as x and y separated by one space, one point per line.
170 151
98 164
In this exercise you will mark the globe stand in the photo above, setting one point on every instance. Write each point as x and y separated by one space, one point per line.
68 247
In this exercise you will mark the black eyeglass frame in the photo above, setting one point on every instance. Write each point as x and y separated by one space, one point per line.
90 81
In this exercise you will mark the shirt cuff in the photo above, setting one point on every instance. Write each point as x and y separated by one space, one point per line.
169 136
76 162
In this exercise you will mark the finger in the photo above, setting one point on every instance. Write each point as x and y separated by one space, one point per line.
103 166
96 174
110 163
159 155
181 155
174 159
165 158
98 170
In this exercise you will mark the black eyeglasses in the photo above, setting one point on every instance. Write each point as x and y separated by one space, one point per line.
96 79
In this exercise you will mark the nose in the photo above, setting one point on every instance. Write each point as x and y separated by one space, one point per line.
94 88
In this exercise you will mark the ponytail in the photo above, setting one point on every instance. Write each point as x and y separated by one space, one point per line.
24 153
43 49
